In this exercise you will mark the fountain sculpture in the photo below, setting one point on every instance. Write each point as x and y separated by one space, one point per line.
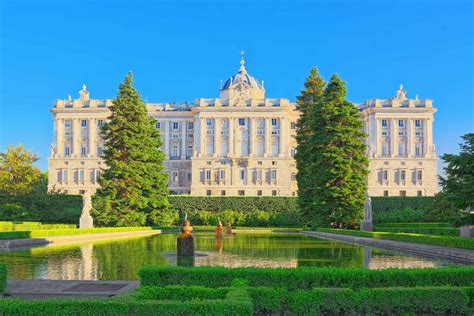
219 229
185 240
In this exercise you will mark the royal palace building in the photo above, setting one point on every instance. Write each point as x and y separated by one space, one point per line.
243 144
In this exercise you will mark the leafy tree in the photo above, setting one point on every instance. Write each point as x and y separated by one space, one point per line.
338 166
309 97
134 188
17 172
458 184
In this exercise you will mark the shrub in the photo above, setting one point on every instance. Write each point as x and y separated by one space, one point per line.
67 232
390 203
440 231
406 215
177 292
267 300
380 301
413 225
3 277
306 278
456 242
22 226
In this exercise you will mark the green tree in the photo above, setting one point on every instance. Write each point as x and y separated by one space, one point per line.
17 172
134 188
458 182
339 166
306 101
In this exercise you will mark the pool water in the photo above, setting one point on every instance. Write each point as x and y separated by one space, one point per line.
121 259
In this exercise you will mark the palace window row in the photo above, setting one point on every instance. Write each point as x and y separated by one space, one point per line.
78 175
400 176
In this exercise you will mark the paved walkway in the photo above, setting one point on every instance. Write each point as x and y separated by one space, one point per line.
464 256
45 289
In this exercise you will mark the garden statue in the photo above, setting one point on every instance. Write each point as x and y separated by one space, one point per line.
366 224
219 229
228 229
185 240
86 220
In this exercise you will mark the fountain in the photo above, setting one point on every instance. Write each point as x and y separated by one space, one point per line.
219 230
185 244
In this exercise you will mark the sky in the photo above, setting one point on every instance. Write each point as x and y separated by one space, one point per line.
181 50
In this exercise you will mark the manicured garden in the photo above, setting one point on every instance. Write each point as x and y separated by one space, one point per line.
261 291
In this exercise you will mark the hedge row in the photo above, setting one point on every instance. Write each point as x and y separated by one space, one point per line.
22 226
439 231
110 307
446 241
306 278
413 225
178 292
67 232
382 301
3 277
390 203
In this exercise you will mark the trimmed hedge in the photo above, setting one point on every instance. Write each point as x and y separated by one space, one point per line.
3 277
306 278
68 307
22 226
67 232
268 300
413 225
456 242
390 203
178 292
384 301
439 231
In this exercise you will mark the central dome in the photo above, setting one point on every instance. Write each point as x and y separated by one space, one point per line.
242 77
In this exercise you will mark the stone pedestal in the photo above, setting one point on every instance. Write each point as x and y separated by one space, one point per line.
467 231
185 261
86 221
366 226
185 246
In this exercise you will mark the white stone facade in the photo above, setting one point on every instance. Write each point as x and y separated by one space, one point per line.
242 143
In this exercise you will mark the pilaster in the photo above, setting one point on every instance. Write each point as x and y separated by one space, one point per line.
76 136
183 140
92 137
59 137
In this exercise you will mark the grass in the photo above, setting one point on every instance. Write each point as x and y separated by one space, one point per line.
67 232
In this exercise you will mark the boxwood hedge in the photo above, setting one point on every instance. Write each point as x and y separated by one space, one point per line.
306 278
3 277
447 241
439 231
67 232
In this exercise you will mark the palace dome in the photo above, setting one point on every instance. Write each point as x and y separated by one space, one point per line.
242 77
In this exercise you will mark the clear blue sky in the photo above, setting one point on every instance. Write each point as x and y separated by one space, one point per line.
181 51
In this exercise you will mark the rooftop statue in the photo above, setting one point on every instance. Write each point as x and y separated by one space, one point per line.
401 93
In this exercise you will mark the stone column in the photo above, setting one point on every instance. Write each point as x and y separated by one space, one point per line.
217 137
92 137
60 137
283 136
183 140
253 138
202 135
230 145
76 136
166 130
268 135
393 137
428 137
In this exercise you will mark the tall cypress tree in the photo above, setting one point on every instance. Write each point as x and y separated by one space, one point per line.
339 166
309 97
134 187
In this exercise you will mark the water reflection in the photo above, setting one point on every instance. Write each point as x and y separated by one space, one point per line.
121 259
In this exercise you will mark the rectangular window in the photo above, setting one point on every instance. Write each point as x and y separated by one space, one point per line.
293 177
209 122
402 175
190 151
100 151
92 175
384 123
418 123
403 193
419 175
100 123
419 193
223 192
293 152
65 175
242 174
208 174
158 125
385 175
259 192
385 193
241 192
208 192
175 151
293 125
241 122
175 125
83 123
222 175
175 176
190 125
97 174
274 192
83 151
418 150
67 151
274 175
401 123
67 123
274 122
81 175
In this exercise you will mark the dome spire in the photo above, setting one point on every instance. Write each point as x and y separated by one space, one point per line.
242 61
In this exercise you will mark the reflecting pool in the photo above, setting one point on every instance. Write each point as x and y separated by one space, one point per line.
121 259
